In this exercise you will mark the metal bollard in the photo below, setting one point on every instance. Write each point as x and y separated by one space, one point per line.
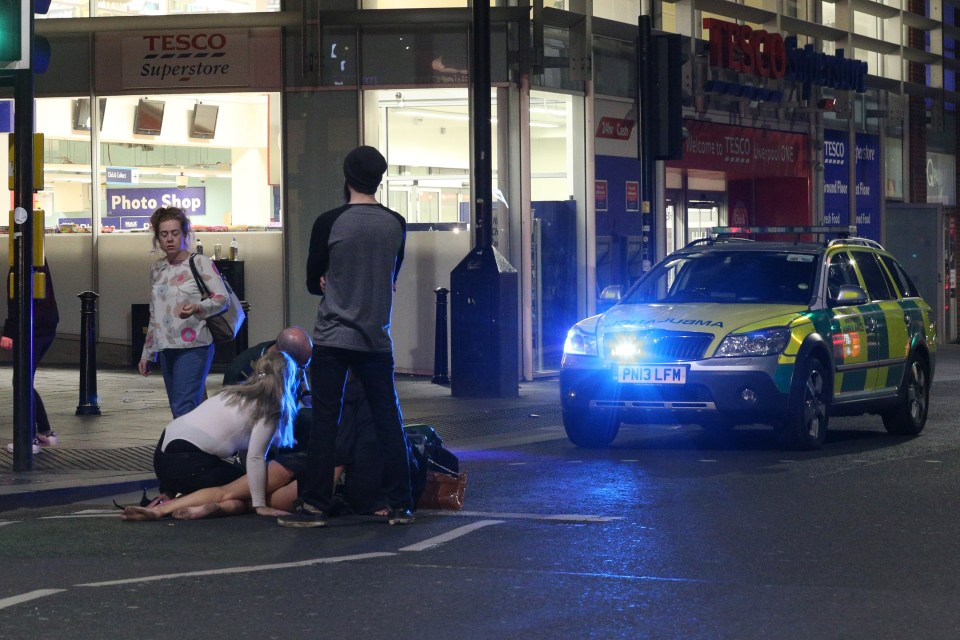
440 345
89 399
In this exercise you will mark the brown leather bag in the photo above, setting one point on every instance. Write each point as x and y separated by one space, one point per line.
443 491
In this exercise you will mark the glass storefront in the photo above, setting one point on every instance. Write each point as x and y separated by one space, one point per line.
207 153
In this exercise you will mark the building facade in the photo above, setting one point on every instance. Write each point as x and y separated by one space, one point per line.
795 113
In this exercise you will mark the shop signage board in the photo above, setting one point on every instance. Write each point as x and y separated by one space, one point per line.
765 54
600 191
121 175
743 152
633 195
178 59
143 202
836 181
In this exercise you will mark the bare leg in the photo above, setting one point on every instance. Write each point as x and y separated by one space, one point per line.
239 489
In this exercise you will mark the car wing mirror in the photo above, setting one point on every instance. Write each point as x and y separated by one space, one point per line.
611 294
849 295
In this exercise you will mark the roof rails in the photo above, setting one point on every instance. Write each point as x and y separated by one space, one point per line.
839 230
864 242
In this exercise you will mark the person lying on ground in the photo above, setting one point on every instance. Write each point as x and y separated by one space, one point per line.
194 450
359 472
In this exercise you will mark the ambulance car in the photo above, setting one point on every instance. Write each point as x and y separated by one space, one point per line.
730 330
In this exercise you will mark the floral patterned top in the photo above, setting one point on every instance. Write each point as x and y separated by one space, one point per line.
172 285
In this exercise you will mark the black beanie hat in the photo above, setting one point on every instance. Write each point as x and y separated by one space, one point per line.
363 169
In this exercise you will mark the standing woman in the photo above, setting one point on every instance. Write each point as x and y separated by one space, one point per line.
178 332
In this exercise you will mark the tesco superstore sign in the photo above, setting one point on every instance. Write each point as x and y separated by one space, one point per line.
196 58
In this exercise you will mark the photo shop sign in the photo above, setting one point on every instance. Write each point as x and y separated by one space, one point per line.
186 59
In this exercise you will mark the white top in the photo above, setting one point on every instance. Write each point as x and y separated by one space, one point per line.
223 430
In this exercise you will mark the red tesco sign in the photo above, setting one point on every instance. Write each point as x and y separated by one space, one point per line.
739 47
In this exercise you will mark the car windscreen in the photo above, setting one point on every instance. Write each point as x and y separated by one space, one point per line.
746 277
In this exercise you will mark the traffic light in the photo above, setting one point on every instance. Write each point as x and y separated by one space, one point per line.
11 31
15 16
667 113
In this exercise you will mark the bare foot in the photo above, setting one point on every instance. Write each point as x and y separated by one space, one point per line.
195 513
138 514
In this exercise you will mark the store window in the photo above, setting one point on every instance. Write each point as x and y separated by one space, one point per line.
426 137
108 8
207 153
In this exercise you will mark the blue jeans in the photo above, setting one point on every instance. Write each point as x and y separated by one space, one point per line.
328 375
185 376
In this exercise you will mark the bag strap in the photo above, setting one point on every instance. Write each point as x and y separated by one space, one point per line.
442 468
204 290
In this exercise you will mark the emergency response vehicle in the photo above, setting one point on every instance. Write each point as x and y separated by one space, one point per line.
731 330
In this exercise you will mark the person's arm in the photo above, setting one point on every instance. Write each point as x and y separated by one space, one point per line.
149 353
219 300
260 438
318 255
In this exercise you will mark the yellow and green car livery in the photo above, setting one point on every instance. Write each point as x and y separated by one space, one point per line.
729 331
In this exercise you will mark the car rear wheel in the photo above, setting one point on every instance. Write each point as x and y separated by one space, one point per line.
809 410
911 416
591 431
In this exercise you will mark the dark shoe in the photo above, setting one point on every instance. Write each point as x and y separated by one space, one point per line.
304 517
400 516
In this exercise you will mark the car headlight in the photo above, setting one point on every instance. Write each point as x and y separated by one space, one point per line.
765 342
579 342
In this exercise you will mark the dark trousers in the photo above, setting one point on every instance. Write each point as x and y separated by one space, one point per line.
184 468
328 375
41 344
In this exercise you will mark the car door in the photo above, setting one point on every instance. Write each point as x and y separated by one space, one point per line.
850 332
886 324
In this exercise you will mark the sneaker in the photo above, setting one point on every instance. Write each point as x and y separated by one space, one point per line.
35 446
305 516
46 439
400 516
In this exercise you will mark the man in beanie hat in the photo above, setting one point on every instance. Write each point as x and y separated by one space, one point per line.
353 261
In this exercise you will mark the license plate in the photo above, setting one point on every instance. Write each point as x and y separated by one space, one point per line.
647 374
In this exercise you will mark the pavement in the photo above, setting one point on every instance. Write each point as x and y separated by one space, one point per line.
112 453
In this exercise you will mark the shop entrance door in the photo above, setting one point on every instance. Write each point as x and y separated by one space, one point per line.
704 211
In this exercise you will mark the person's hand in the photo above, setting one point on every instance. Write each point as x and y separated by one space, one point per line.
271 512
187 309
144 367
323 284
6 343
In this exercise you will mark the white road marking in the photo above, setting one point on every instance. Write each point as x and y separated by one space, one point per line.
3 522
27 597
562 517
232 570
111 514
450 535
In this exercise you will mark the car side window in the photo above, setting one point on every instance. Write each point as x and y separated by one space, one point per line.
841 272
877 281
907 288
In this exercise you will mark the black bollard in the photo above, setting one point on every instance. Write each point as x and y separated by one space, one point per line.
440 345
89 399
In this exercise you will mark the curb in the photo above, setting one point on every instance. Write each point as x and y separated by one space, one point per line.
63 495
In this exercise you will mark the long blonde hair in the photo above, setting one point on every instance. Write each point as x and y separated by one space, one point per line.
270 394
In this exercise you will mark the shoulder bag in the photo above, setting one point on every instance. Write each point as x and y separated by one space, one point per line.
225 325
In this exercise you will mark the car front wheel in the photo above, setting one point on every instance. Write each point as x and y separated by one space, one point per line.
911 415
590 431
809 411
